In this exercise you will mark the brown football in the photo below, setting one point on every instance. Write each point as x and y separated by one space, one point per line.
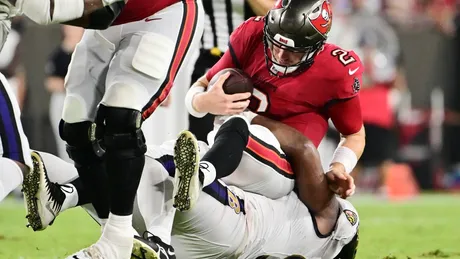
237 82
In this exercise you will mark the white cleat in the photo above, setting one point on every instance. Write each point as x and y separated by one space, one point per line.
91 252
187 186
43 199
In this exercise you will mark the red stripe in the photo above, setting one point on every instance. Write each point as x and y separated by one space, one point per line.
270 155
190 12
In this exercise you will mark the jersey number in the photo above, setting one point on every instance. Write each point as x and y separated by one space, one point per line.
343 56
262 100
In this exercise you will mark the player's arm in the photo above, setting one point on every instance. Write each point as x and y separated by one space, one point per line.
313 188
261 7
91 14
346 116
200 102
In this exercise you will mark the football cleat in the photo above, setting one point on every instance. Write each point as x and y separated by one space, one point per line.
187 185
151 247
91 252
43 199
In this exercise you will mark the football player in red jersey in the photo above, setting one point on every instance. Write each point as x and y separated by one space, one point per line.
299 79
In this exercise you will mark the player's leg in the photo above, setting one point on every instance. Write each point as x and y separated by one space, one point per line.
154 205
263 168
139 79
56 186
221 160
85 85
15 161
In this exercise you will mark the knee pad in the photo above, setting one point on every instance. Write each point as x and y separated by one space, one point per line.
122 131
235 124
83 142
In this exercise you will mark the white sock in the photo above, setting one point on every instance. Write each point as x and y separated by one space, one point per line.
122 224
116 240
10 176
209 172
71 196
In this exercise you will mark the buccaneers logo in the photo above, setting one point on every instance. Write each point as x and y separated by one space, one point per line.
321 18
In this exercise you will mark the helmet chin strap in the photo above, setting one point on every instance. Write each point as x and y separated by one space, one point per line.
289 69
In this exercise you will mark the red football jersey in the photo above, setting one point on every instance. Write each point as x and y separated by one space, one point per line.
328 89
136 10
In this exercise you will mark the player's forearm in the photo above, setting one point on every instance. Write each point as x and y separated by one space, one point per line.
98 14
193 100
349 151
93 14
305 162
261 7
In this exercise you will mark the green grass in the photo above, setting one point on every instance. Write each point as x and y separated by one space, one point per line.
426 227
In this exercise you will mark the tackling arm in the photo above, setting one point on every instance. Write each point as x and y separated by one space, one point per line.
312 184
90 14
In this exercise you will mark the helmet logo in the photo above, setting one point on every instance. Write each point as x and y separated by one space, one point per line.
321 18
285 41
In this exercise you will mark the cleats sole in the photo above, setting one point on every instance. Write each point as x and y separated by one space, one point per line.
186 159
30 188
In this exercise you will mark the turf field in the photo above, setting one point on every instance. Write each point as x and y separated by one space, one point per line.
426 227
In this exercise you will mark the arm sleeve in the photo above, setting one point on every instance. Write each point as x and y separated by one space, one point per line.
346 115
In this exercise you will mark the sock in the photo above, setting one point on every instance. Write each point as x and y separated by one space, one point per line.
121 227
225 154
10 176
83 196
207 173
124 178
116 240
94 178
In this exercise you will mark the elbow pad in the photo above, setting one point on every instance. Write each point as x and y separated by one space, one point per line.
104 17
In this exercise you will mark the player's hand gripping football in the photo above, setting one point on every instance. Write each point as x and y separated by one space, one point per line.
340 182
217 102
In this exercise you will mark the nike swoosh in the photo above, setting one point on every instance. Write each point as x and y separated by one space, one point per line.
151 19
351 72
48 207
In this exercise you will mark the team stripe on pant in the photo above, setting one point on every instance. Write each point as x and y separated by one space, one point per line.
269 155
11 139
184 40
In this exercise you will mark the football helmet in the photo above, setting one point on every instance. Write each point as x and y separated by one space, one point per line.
298 26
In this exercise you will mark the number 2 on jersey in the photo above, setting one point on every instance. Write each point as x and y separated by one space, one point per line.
343 56
262 100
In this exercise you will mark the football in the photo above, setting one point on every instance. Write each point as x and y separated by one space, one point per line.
237 82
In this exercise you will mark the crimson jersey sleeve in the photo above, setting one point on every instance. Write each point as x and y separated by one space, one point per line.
238 48
344 108
346 116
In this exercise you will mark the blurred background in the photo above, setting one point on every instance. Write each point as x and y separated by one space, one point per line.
410 103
